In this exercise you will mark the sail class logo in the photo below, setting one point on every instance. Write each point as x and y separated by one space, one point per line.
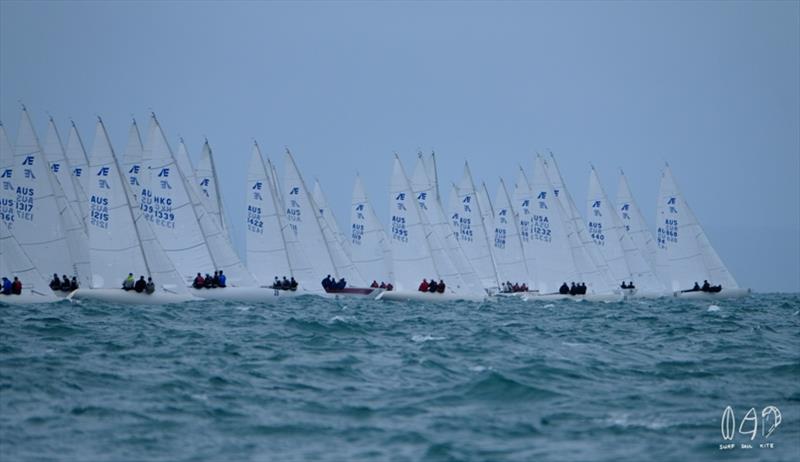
749 427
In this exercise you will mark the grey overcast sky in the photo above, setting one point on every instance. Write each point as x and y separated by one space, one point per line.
711 87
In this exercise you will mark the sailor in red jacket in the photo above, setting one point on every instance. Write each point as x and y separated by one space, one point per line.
423 287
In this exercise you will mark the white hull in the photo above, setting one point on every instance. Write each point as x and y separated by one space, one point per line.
129 297
28 298
426 297
368 293
725 293
244 294
576 298
636 295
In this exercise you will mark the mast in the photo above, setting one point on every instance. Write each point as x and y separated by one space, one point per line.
125 193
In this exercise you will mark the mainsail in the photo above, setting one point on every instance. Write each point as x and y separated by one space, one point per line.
472 232
38 223
77 160
304 224
411 254
521 206
121 242
509 255
448 256
266 250
634 221
333 237
625 261
548 235
369 245
208 187
15 263
684 254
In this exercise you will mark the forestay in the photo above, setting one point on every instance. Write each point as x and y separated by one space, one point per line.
684 254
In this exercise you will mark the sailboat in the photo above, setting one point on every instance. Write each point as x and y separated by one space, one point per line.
560 255
121 241
509 254
684 254
323 251
448 255
625 262
472 234
43 225
411 239
369 245
635 225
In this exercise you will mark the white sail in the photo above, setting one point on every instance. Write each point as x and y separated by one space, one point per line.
448 256
326 214
119 237
522 202
634 222
185 164
625 261
8 194
38 225
61 182
454 210
472 232
684 254
334 239
549 238
208 186
506 244
592 267
77 160
132 161
15 263
487 210
411 254
369 246
166 205
302 221
266 250
59 166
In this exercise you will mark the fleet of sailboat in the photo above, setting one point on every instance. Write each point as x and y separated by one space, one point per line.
150 213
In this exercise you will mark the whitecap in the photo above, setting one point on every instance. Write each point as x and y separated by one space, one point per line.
337 319
479 368
549 305
424 338
244 308
713 308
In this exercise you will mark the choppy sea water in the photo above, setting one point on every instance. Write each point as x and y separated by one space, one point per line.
314 379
